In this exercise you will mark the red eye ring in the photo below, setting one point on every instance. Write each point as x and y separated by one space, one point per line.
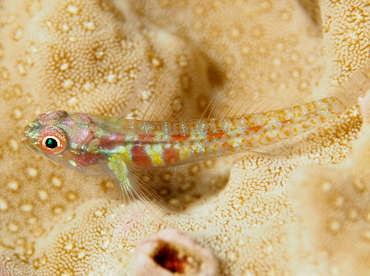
52 140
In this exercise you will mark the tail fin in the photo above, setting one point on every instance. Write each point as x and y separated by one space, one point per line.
354 87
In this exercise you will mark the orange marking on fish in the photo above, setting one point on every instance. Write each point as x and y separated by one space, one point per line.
226 145
269 139
178 137
140 157
255 128
84 158
171 156
215 135
287 121
146 137
112 140
287 132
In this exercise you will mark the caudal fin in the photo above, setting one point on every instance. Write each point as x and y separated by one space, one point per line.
354 87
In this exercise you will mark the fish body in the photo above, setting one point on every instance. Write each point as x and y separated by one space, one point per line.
94 144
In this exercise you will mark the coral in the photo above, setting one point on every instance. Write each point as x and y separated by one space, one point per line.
119 58
170 252
332 205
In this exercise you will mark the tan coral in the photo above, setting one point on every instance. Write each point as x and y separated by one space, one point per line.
105 57
332 204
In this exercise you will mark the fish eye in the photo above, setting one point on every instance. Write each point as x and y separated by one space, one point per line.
52 140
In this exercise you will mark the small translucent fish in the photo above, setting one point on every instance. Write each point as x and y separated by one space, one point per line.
122 148
94 144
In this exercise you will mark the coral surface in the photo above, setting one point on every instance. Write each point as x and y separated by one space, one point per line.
301 210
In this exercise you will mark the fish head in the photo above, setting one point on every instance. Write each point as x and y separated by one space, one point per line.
65 138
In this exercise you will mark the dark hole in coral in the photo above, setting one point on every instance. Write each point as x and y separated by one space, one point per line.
169 258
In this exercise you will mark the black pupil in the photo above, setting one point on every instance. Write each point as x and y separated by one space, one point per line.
51 143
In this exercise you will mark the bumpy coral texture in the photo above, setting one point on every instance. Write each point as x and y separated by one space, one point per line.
122 57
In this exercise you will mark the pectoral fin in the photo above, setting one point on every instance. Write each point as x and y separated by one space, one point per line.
119 171
131 185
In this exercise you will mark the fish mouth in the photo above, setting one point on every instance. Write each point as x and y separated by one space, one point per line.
31 148
24 138
27 141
